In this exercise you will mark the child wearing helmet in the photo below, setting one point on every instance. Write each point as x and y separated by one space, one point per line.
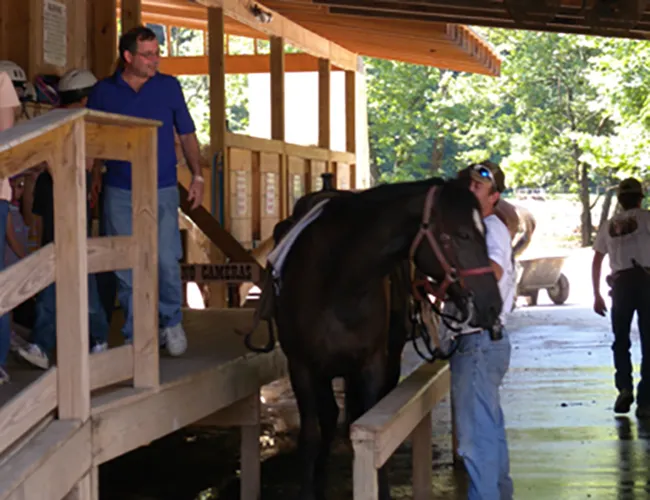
74 88
8 104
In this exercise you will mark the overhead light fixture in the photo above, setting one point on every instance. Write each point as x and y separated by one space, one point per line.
260 15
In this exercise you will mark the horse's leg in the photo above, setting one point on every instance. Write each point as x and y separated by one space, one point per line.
309 439
396 341
328 414
373 383
353 402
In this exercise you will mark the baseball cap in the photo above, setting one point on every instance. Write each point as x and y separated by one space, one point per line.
488 171
630 186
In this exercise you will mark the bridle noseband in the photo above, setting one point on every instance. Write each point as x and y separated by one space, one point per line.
452 273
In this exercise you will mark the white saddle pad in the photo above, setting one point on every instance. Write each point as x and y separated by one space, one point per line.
278 255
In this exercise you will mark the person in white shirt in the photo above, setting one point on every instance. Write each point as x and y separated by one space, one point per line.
8 104
480 362
626 239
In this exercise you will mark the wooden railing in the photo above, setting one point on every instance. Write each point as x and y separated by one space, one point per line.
263 178
65 139
404 413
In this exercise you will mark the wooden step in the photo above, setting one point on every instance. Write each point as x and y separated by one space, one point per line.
49 464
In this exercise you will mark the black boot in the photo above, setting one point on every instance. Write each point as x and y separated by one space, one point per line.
624 401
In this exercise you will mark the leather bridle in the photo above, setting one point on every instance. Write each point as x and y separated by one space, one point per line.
444 255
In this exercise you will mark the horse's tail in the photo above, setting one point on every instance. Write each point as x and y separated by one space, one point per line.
263 312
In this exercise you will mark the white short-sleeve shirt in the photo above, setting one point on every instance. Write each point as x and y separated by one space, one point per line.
499 248
624 237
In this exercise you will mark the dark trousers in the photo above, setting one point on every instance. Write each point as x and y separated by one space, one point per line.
630 294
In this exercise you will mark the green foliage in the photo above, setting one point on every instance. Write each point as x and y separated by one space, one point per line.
189 42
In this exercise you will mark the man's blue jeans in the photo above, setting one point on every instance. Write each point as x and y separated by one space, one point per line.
118 222
44 331
477 370
5 319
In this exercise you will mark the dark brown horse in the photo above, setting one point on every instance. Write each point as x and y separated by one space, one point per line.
332 303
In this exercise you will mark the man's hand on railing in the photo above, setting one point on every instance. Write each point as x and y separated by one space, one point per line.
196 191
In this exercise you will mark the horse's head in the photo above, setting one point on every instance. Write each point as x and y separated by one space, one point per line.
450 248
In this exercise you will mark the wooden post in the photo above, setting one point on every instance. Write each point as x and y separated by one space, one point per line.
351 121
277 115
250 488
324 98
131 14
245 414
144 194
277 89
102 36
216 59
422 461
365 485
73 375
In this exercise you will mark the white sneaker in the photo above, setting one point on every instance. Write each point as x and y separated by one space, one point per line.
99 348
34 355
175 339
4 376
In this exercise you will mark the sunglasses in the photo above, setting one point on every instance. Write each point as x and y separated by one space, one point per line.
485 173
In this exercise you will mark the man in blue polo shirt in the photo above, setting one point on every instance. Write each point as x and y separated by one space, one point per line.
138 89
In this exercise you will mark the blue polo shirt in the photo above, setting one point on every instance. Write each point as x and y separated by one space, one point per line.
160 98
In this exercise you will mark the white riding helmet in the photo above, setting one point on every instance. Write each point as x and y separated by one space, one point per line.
15 72
75 85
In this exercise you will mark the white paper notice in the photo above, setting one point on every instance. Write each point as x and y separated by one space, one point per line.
55 44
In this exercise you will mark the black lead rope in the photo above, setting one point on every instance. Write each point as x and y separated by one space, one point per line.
435 353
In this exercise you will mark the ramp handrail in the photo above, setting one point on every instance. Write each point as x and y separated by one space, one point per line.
65 139
405 412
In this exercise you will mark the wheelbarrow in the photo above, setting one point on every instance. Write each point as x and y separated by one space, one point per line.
534 275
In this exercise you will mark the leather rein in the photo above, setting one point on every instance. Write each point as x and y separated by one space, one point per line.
444 255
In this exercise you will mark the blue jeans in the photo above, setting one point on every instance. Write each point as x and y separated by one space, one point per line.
477 370
44 331
118 222
5 319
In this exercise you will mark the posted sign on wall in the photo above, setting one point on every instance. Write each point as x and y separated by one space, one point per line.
236 272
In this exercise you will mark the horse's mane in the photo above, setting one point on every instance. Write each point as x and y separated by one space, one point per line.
379 195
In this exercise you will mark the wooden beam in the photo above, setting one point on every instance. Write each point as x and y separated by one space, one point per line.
102 37
49 465
131 14
240 64
324 103
291 32
72 345
218 46
277 89
215 232
111 367
394 418
145 269
350 111
27 408
122 427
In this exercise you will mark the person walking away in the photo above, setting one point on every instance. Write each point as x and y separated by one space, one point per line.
8 104
74 88
626 239
481 360
138 89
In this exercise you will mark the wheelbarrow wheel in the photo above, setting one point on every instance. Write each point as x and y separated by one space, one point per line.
559 293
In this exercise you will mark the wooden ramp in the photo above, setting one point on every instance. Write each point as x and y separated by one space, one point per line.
217 378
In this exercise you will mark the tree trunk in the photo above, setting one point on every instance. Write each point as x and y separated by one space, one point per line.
585 226
437 154
607 207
